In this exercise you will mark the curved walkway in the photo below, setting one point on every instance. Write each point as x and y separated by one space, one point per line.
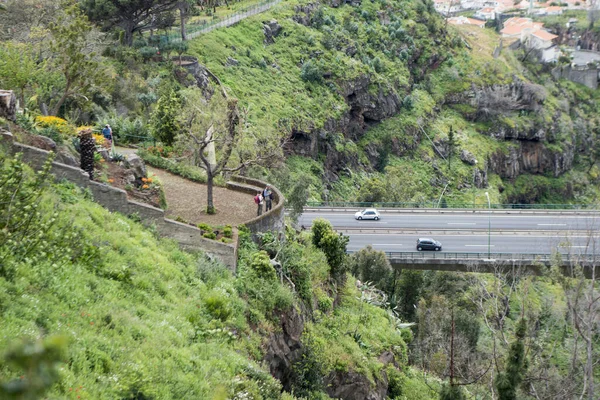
187 199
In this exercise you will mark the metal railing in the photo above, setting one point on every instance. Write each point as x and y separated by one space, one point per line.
530 257
195 29
434 204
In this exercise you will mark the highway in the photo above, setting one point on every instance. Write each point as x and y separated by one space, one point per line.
460 231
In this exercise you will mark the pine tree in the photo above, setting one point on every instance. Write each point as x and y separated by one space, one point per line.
508 382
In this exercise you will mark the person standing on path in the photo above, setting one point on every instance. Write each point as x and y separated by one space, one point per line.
87 147
258 200
267 195
107 133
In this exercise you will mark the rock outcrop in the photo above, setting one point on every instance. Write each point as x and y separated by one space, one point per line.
271 30
8 105
284 348
531 157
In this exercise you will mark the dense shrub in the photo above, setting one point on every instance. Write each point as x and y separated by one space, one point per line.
311 72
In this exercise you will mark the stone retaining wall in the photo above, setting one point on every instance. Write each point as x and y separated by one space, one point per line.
115 200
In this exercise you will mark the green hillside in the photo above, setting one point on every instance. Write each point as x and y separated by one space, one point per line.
113 312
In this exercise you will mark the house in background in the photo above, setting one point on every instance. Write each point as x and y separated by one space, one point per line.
466 21
543 41
486 13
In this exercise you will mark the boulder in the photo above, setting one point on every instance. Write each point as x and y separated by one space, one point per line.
137 167
271 29
8 105
231 62
354 386
42 142
104 153
467 157
64 157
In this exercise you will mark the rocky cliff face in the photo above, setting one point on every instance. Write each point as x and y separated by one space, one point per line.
532 158
285 348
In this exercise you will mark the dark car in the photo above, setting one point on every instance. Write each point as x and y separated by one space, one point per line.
428 244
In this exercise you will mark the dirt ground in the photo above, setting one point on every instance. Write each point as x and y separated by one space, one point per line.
187 200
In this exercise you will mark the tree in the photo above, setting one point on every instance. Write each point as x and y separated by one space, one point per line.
164 122
23 20
18 68
219 138
370 265
508 381
71 55
452 143
333 245
583 301
130 15
298 196
184 7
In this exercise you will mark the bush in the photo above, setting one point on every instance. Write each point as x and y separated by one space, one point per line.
261 265
370 265
217 307
311 72
205 227
228 231
210 235
147 52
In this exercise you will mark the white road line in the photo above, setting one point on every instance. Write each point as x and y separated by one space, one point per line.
552 224
462 223
478 245
387 244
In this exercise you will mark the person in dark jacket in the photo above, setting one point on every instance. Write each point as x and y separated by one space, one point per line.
268 196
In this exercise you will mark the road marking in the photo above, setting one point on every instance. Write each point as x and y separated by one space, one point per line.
462 223
371 222
387 244
478 245
552 224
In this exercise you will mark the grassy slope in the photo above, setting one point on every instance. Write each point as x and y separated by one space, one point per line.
143 318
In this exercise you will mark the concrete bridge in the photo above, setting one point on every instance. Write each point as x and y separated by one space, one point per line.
536 264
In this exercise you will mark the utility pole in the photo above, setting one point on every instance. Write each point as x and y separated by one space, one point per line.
489 223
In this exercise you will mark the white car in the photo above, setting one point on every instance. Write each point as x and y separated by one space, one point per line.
367 213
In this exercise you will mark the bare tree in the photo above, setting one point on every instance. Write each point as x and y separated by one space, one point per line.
216 131
582 293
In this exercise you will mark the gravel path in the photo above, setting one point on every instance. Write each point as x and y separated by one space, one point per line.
187 199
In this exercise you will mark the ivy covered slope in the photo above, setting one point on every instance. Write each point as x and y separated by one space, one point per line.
370 91
94 306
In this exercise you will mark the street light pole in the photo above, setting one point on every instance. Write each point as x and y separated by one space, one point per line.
489 222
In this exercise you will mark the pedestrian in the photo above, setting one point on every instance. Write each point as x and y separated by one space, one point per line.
108 136
87 147
258 200
267 195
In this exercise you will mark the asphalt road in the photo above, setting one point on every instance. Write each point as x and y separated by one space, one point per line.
468 232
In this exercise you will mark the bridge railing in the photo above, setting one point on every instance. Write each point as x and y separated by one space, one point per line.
449 256
435 204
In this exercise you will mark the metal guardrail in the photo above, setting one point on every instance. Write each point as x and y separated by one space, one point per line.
532 257
195 29
434 204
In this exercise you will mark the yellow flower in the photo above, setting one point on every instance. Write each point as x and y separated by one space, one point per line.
149 180
145 187
111 180
102 160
